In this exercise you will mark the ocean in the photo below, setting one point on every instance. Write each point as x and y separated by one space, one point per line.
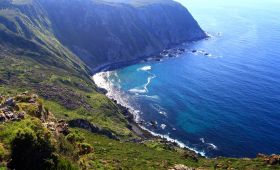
221 97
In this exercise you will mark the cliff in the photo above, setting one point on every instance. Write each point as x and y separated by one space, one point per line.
116 30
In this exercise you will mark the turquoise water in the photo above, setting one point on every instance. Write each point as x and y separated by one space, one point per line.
223 104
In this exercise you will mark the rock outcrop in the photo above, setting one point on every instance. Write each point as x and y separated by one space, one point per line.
270 159
16 108
84 124
181 167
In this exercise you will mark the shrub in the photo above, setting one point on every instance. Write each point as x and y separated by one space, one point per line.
30 150
2 153
73 138
64 164
85 148
23 98
65 147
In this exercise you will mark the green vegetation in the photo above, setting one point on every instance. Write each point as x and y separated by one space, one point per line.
33 59
39 143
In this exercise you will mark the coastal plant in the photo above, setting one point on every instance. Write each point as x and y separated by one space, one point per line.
31 150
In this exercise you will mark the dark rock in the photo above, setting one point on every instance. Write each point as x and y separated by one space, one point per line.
32 100
181 49
84 124
206 54
164 52
3 81
10 115
154 124
62 127
21 115
10 102
2 117
188 154
194 51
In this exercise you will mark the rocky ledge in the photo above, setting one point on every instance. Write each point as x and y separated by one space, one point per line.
270 159
29 105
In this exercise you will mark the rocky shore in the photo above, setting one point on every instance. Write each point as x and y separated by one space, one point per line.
159 56
136 127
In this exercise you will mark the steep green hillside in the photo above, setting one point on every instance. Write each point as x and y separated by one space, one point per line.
106 31
31 58
31 137
37 55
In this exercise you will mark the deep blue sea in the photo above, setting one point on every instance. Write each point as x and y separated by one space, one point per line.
223 104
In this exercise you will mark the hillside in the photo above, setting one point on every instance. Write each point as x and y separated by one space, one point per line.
110 31
49 48
35 138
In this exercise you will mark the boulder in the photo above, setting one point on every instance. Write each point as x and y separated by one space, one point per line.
271 160
25 93
10 115
62 127
21 115
2 117
181 167
154 124
10 102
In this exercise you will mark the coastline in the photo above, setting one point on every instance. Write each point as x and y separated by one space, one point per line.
141 131
129 112
156 56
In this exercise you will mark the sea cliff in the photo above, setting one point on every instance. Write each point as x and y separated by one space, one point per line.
102 32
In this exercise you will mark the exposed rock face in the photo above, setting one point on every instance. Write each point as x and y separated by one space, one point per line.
84 124
100 31
271 160
16 108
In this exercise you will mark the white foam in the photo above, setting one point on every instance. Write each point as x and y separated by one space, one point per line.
144 88
102 80
137 90
160 109
145 68
180 144
163 126
202 140
212 146
153 97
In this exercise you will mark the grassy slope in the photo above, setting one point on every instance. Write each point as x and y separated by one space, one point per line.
112 154
31 58
36 61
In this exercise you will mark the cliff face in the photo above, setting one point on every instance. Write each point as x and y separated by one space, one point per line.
116 30
96 31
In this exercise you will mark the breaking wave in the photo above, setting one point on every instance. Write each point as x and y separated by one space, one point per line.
144 88
102 80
